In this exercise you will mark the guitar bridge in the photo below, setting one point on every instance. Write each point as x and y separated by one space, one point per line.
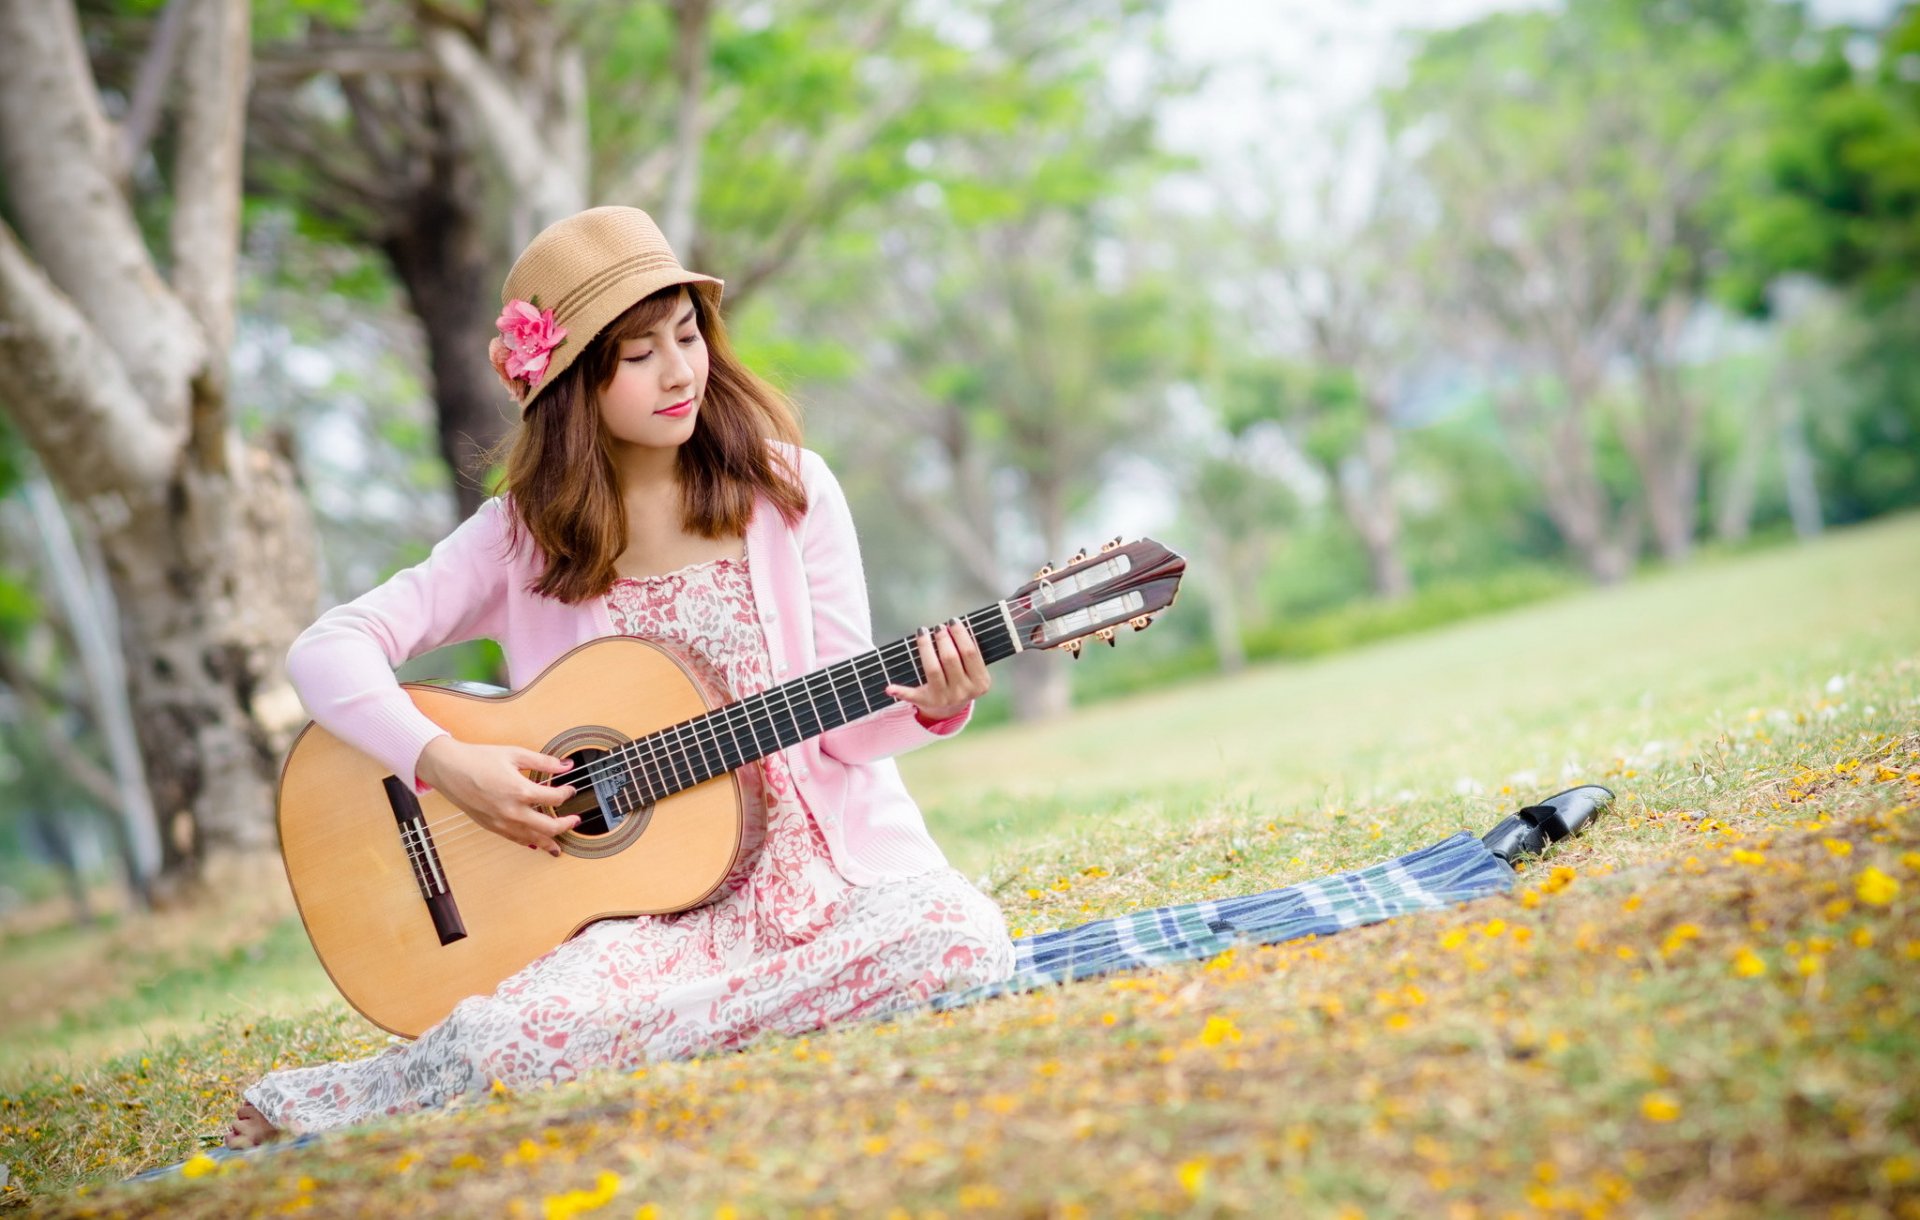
427 873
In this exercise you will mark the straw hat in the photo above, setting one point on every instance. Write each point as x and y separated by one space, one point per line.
575 277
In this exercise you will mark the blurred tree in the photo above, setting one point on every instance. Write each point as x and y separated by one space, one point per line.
1328 242
1003 331
1833 187
1833 191
118 356
1578 161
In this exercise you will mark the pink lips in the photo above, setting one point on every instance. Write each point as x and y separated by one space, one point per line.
677 410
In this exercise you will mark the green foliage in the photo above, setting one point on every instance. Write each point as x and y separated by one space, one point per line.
1835 188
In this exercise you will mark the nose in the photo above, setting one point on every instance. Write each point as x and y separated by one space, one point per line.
676 370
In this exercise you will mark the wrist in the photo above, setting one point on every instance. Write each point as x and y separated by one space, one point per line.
426 768
938 716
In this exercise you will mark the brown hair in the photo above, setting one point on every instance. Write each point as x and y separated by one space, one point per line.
559 464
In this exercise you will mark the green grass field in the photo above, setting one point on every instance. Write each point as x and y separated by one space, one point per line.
1705 1007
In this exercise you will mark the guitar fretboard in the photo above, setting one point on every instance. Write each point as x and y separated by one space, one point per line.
682 755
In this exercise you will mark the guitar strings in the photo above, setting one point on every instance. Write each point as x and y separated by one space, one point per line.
670 758
667 759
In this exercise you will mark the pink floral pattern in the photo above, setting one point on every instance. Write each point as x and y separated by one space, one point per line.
793 947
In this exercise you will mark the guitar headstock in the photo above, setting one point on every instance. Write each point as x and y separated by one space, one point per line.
1124 585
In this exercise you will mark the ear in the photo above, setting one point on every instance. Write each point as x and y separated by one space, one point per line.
497 354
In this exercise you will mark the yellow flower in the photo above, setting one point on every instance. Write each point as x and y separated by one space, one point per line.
1454 938
1742 856
1839 847
1218 1030
199 1166
1748 964
1875 888
1193 1175
975 1195
1660 1107
578 1202
1678 937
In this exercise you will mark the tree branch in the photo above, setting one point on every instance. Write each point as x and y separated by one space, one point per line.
57 159
206 192
150 89
82 414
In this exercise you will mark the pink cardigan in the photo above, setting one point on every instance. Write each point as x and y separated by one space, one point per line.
812 595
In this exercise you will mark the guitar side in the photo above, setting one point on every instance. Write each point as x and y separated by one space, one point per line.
356 888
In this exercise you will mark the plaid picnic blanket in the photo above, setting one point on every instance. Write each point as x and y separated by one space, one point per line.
1456 869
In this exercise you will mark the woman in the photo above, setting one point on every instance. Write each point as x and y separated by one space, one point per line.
655 488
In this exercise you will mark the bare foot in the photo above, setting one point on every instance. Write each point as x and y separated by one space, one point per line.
250 1128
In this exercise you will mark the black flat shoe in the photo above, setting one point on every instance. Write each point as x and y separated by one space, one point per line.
1528 832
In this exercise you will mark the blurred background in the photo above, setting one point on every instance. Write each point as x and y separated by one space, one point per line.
1384 314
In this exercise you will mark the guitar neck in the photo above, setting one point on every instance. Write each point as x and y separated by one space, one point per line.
682 755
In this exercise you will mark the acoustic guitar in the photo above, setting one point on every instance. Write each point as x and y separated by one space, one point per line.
412 906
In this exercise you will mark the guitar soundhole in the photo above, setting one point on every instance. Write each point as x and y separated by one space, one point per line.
610 797
598 803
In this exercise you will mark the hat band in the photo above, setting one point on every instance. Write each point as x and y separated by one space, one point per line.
570 305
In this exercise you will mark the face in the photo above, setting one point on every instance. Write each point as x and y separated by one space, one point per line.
658 383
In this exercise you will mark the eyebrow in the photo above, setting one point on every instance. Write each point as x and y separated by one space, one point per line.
685 317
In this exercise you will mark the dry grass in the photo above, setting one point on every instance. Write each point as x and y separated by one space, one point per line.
1704 1008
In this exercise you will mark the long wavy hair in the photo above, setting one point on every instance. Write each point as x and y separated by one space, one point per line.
559 470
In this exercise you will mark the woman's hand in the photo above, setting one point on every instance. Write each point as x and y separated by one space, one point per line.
486 783
956 673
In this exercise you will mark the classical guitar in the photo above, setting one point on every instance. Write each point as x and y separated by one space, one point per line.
412 906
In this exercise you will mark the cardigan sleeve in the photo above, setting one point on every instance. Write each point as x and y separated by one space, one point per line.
342 666
843 621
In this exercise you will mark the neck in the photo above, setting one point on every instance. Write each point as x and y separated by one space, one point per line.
645 471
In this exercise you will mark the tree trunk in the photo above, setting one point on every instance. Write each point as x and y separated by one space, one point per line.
440 252
1602 540
1733 517
1223 606
1365 481
206 541
214 578
1796 466
95 635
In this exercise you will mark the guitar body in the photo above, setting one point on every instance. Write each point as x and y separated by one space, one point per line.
359 886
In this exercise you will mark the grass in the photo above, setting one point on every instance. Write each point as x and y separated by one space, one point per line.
1705 1007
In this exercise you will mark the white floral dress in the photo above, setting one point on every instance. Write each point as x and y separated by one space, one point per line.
793 947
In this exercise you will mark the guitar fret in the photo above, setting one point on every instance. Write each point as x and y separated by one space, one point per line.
680 756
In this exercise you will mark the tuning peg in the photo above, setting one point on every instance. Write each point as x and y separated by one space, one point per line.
1078 555
1140 623
1106 633
1110 546
1073 648
1046 570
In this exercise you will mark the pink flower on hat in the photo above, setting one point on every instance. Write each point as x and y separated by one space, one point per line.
531 337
